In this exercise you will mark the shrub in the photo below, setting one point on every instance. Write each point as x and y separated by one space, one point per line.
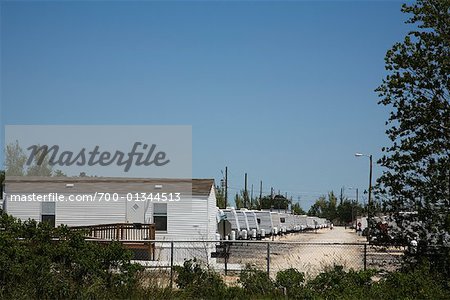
199 282
338 284
418 283
293 281
256 282
39 261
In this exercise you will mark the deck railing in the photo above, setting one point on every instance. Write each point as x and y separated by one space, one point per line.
137 237
119 231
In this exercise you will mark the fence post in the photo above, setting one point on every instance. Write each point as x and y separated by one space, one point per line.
171 264
226 250
268 259
365 257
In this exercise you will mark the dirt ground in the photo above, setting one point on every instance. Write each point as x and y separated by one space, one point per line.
313 258
320 251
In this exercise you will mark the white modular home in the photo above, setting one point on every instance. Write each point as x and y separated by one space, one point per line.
181 209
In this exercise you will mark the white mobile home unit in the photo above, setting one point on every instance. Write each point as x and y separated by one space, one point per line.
191 217
231 215
243 223
303 222
264 219
275 222
251 219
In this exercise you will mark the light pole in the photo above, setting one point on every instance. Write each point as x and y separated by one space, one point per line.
370 193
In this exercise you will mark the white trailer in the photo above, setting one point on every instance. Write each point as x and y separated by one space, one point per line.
252 222
286 222
231 215
243 224
275 222
311 222
303 222
264 219
295 223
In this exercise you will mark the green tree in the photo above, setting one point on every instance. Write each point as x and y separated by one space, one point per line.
297 209
325 208
319 208
417 163
220 197
277 202
15 160
239 201
2 178
40 165
59 173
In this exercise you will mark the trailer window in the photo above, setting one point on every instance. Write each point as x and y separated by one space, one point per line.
48 213
160 216
282 220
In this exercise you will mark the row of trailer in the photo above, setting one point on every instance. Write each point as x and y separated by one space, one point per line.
258 224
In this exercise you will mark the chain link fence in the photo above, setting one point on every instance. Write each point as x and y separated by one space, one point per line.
230 257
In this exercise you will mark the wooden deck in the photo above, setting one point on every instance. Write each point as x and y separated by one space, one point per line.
131 235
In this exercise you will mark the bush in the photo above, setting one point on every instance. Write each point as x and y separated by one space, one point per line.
256 282
338 284
417 283
38 261
293 281
199 282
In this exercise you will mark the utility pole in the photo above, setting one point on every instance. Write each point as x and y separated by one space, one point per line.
260 194
369 219
245 192
226 187
251 197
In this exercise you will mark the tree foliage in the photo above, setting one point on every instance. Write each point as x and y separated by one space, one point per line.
41 262
220 197
342 213
417 163
16 163
277 202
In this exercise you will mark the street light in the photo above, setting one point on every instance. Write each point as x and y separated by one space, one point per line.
370 192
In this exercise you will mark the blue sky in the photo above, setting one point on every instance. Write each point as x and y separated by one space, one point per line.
281 90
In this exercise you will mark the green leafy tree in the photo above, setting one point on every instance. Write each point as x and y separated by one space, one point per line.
277 202
40 166
16 163
59 173
220 197
2 178
15 160
325 208
417 163
239 200
297 209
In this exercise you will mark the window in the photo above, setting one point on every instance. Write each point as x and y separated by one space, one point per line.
160 216
259 220
48 213
282 220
